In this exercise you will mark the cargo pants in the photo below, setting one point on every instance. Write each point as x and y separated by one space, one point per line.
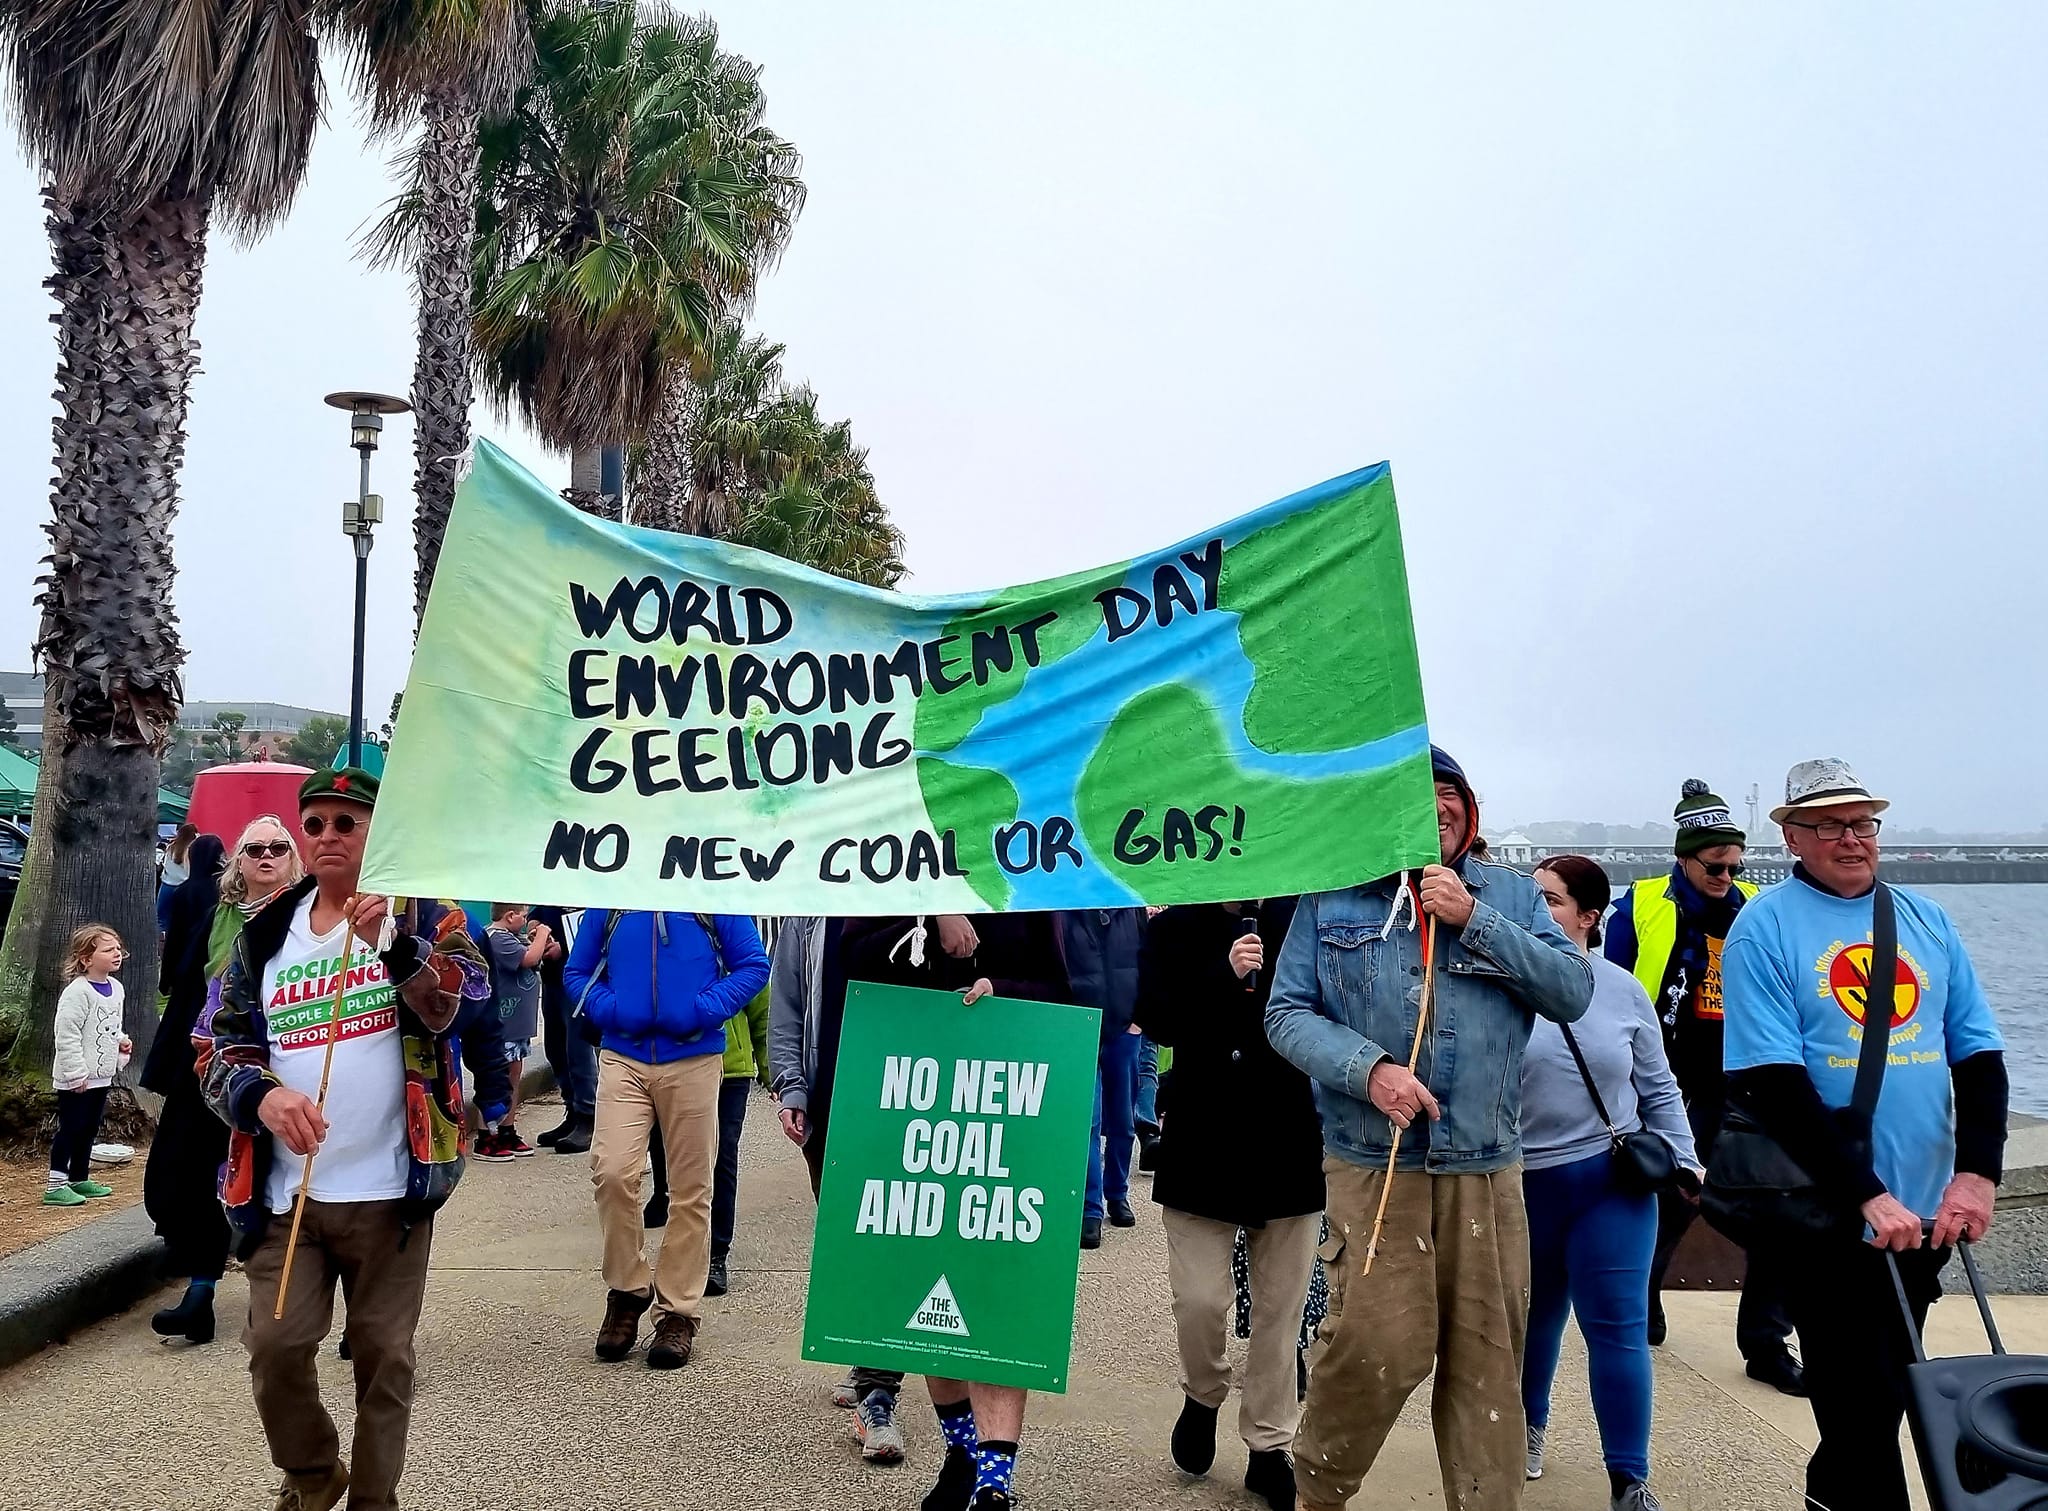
1449 1291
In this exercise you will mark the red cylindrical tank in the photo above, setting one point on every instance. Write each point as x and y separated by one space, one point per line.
225 798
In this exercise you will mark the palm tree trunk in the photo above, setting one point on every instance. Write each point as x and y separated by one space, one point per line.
660 490
127 293
442 281
586 484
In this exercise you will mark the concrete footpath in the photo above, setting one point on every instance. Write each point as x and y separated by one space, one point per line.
513 1413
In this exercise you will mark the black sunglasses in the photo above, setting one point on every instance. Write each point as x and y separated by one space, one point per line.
1720 868
276 849
313 823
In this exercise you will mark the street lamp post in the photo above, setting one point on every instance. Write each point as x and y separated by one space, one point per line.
359 517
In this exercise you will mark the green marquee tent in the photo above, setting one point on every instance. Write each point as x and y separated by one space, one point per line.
18 790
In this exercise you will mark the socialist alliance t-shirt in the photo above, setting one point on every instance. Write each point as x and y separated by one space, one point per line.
364 1158
1795 975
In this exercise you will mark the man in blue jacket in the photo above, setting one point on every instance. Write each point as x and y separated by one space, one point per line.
659 987
1450 1290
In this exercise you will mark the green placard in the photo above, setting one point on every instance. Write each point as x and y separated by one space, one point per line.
949 1217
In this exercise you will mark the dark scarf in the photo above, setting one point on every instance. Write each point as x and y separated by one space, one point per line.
1699 918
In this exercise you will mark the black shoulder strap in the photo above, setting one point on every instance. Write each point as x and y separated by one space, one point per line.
604 948
1572 1043
710 927
1878 994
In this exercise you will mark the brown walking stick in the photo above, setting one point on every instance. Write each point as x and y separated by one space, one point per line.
291 1244
1372 1248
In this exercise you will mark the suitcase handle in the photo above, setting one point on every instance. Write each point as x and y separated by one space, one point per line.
1976 1292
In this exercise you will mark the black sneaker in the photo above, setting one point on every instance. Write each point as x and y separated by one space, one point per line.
716 1279
1148 1153
1121 1215
656 1214
553 1136
1091 1232
955 1489
575 1139
1656 1320
1270 1476
1194 1437
1780 1371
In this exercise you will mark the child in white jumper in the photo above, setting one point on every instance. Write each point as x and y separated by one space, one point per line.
91 1051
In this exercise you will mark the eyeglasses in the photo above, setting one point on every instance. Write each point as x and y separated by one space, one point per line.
313 824
1828 830
276 849
1720 868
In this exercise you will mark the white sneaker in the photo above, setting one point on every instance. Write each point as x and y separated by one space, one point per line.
1535 1469
846 1395
1635 1497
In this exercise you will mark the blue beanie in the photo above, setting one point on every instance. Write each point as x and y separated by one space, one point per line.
1443 769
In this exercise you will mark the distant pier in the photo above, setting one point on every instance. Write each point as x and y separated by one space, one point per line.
1970 866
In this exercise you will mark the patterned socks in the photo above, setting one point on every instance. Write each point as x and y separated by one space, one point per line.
994 1464
957 1423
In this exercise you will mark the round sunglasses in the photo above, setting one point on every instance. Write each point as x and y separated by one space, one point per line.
314 824
276 849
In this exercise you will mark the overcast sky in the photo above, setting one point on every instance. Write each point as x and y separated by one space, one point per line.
1706 344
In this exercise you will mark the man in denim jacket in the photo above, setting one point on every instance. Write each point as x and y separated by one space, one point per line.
1450 1287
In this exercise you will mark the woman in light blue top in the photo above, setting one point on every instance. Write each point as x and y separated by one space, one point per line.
1589 1241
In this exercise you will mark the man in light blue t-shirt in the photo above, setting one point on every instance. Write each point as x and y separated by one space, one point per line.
1795 978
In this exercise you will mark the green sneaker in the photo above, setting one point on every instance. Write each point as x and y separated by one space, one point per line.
91 1188
62 1196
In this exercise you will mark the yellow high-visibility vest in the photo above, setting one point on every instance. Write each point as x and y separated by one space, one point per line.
1656 919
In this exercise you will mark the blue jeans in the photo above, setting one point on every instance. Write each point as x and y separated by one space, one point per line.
1116 1097
725 1175
572 1057
1589 1253
1148 1085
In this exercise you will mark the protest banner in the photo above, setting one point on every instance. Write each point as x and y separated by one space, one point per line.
599 715
949 1216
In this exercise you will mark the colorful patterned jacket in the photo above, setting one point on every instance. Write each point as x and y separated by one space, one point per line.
433 964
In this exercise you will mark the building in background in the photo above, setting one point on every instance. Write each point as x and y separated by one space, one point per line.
264 727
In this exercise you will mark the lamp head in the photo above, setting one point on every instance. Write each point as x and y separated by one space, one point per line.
366 415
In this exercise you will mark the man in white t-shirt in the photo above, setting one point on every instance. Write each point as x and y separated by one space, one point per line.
323 962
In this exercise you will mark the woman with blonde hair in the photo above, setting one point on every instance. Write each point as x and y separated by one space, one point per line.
179 1187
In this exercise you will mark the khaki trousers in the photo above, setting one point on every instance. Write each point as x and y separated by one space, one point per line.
631 1098
359 1245
1449 1291
1204 1300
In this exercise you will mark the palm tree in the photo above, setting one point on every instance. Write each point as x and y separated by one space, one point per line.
442 66
625 206
720 436
148 121
826 514
760 467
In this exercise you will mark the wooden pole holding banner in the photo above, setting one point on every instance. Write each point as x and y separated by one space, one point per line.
291 1243
1379 1219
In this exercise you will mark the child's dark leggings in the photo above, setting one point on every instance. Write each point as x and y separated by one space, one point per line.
78 1124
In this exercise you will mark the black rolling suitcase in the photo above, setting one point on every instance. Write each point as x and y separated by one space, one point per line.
1980 1421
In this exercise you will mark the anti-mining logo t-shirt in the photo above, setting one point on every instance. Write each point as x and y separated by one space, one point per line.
364 1157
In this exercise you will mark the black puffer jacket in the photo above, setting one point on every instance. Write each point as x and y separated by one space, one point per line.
1242 1142
1101 948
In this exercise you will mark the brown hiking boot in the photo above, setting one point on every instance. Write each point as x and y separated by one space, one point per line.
313 1492
621 1330
674 1337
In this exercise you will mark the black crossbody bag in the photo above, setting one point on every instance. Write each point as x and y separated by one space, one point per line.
1643 1161
1754 1189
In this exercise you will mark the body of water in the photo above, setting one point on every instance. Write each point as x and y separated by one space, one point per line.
2006 931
